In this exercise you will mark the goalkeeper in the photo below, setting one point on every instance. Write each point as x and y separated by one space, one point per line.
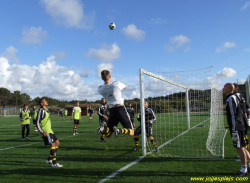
236 126
150 118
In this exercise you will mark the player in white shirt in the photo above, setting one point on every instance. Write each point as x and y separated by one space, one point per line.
111 91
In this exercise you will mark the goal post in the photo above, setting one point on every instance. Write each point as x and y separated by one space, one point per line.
189 113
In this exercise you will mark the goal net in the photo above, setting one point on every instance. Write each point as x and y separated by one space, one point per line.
189 113
9 111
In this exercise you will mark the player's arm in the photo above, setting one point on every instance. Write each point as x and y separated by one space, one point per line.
232 107
99 111
73 110
80 113
152 116
40 116
29 115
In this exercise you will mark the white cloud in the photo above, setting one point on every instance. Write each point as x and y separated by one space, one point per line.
103 66
107 53
69 13
177 42
247 5
59 55
132 32
47 79
33 35
247 49
226 73
225 46
241 81
10 54
157 21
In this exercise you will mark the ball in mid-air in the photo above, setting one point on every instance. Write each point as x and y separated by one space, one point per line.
112 26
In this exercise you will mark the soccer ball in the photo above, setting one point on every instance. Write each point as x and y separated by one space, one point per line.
112 26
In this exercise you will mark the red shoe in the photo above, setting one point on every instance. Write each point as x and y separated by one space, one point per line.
103 139
240 173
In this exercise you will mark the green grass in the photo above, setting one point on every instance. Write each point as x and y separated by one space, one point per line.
87 159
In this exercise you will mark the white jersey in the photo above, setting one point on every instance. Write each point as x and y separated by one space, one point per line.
112 93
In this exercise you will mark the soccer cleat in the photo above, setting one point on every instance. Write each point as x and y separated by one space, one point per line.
48 161
77 133
103 139
36 130
27 138
240 173
57 165
135 148
100 129
116 130
156 150
74 134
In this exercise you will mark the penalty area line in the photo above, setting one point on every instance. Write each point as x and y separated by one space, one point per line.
121 169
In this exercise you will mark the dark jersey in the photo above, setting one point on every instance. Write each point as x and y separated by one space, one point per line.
149 115
242 102
102 111
60 112
131 112
91 111
234 114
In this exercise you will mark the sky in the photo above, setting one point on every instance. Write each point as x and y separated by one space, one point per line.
58 48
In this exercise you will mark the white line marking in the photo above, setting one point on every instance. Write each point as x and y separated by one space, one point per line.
121 170
35 143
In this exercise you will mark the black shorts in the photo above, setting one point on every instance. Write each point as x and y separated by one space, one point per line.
103 120
132 120
49 139
76 121
119 114
242 140
27 126
34 121
60 114
90 115
149 131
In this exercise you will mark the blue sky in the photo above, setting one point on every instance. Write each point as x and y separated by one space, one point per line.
59 47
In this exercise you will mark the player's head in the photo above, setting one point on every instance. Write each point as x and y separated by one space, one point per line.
25 106
130 104
105 75
90 106
103 101
34 107
146 104
43 102
228 88
236 87
77 104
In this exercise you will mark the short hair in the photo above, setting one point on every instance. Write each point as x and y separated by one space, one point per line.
236 85
40 101
25 105
105 75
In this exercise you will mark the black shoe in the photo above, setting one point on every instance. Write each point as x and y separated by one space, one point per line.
156 150
240 173
135 148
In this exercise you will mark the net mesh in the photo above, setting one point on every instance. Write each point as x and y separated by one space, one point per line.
185 127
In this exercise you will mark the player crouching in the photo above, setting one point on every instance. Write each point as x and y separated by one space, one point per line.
44 127
150 118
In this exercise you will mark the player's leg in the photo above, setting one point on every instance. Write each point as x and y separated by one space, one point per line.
240 144
124 118
34 124
75 126
149 131
136 138
78 122
104 123
23 131
27 131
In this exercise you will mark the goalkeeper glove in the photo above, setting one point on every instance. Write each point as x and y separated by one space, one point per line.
235 136
151 122
248 121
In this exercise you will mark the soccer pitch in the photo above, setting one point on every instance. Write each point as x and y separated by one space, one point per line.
86 159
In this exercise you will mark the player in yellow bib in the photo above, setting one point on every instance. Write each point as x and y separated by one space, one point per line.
65 114
34 117
44 127
25 117
76 115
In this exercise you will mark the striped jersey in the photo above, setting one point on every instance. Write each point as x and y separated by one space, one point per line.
43 122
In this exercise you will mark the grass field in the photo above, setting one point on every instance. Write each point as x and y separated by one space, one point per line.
87 159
